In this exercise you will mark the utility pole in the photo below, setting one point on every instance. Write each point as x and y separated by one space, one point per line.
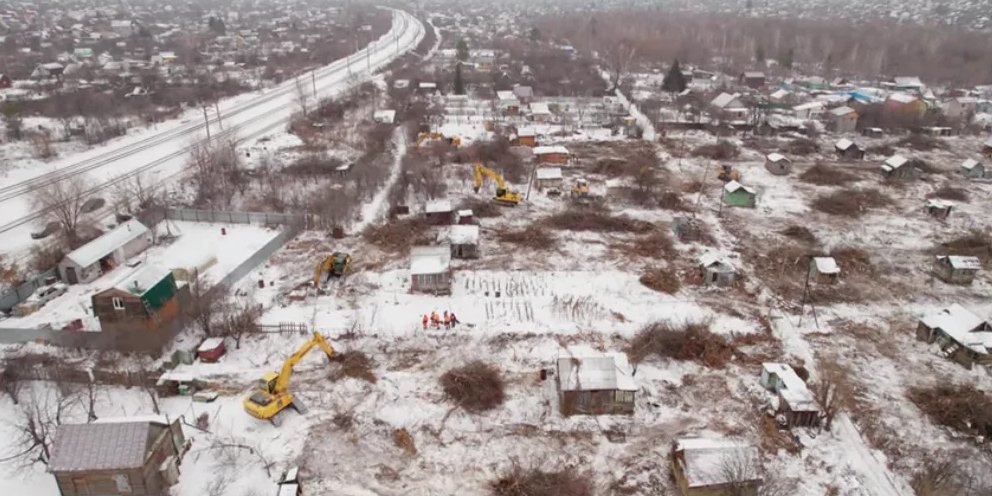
206 122
313 79
217 108
807 295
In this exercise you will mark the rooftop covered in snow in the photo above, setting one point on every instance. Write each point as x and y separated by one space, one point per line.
595 372
119 236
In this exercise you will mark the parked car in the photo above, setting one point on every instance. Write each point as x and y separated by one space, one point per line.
50 229
92 205
48 293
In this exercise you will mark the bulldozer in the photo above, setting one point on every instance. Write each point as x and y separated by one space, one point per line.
728 173
334 265
503 195
272 395
453 141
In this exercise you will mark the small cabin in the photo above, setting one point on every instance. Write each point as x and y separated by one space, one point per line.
938 209
438 212
551 154
465 216
849 150
824 270
796 404
973 169
716 270
962 336
463 240
778 164
736 194
549 179
899 167
956 269
872 132
430 269
596 384
526 136
700 467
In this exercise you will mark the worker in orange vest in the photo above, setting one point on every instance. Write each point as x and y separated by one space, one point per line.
447 320
425 321
435 320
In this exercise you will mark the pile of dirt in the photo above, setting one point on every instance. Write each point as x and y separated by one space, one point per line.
657 245
691 341
822 175
853 261
721 150
535 482
354 364
399 234
661 280
595 219
476 386
482 208
850 202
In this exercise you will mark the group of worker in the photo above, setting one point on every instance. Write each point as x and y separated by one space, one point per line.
447 319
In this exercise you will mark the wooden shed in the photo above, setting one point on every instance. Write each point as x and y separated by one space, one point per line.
549 179
125 457
778 164
938 209
595 384
961 335
430 269
736 194
899 167
463 240
551 154
438 212
146 298
716 270
849 150
824 270
715 467
954 269
973 169
795 404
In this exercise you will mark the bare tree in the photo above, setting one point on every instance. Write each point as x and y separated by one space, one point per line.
10 383
239 318
36 425
944 473
134 192
205 304
90 400
831 396
743 475
42 143
619 57
62 201
217 172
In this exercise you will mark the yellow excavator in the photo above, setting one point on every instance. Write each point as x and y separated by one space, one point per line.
334 265
728 173
503 195
580 189
454 141
272 395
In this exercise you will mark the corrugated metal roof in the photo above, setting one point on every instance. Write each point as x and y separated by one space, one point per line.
80 447
89 253
596 373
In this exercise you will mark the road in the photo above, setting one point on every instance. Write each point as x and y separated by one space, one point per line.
161 153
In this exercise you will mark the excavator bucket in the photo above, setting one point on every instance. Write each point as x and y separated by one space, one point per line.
298 405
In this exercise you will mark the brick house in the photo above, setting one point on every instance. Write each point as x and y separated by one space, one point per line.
123 458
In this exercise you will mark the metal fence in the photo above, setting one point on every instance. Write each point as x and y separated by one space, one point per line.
259 256
219 216
12 297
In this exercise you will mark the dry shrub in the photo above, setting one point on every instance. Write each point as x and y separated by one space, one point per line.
482 208
694 186
976 243
671 200
851 202
961 407
354 364
519 481
47 256
661 280
951 193
799 233
884 149
595 219
476 386
203 421
343 420
921 142
399 234
314 164
921 165
686 341
802 146
403 439
656 245
827 176
943 474
722 150
853 261
530 236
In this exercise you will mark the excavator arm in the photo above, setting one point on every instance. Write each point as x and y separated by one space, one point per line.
282 382
482 172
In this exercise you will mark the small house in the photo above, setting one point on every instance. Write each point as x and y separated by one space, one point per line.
899 167
795 402
824 270
211 349
753 79
973 169
465 216
438 212
842 120
551 154
146 299
778 164
548 178
956 269
729 106
427 88
937 131
90 261
736 194
596 384
716 270
117 458
384 116
872 132
808 110
715 467
540 112
526 136
463 240
430 269
938 209
508 102
849 150
961 335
